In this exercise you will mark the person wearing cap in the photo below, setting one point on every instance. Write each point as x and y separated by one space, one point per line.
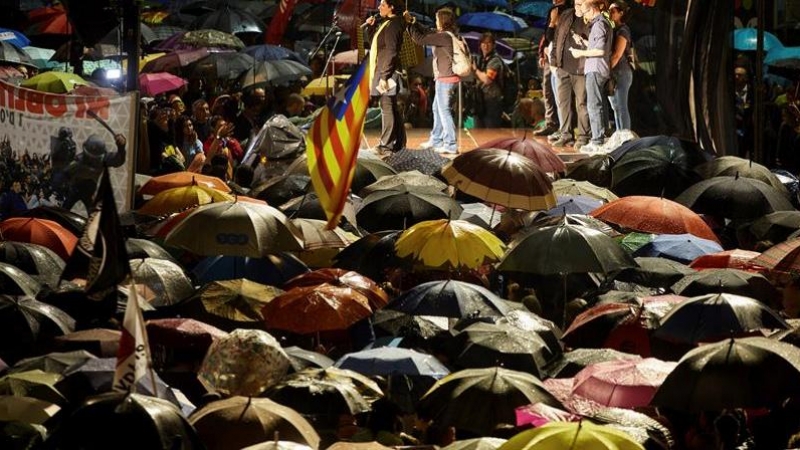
621 68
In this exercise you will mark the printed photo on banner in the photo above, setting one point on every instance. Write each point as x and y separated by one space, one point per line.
56 145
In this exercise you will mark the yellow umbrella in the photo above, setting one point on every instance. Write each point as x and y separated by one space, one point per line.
572 435
145 59
449 244
181 198
54 82
324 85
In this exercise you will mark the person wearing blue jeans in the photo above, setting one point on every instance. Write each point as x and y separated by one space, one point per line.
596 69
443 134
621 68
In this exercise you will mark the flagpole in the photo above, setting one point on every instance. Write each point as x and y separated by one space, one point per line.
134 297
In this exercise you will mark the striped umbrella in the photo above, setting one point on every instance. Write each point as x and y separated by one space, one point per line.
784 257
501 177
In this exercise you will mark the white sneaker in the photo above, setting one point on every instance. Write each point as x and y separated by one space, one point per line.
426 145
592 149
448 151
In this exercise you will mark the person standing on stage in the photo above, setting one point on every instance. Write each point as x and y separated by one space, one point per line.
443 134
384 60
490 73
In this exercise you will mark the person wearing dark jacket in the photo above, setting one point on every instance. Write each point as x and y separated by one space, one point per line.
11 201
384 60
443 134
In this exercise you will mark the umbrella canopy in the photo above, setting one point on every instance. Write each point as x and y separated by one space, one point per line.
304 359
181 179
595 169
164 278
317 308
14 281
573 361
328 392
14 37
388 361
747 39
730 281
402 207
209 38
152 84
230 20
54 82
729 259
49 20
783 257
73 222
572 436
56 362
236 302
41 232
660 170
368 171
238 422
413 178
567 186
449 244
544 156
654 215
373 255
715 317
143 248
221 66
181 198
34 384
734 165
26 324
26 409
338 277
476 444
174 62
400 324
501 177
480 400
324 86
274 268
655 272
683 248
176 338
749 372
266 52
488 345
734 198
12 53
622 384
134 421
246 362
280 189
101 342
776 226
449 298
495 21
426 161
240 229
273 73
316 235
569 204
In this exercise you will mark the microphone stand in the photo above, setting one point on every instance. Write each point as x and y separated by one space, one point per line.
327 64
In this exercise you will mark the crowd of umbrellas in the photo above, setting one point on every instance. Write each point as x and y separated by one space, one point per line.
260 320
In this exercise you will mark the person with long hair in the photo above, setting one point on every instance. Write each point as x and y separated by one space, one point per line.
443 133
621 68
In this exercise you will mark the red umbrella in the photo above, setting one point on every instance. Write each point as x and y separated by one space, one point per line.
784 257
729 259
49 20
620 326
181 179
39 231
654 215
541 154
152 84
622 384
345 278
324 307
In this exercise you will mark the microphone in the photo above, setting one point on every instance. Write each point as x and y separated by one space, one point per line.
375 16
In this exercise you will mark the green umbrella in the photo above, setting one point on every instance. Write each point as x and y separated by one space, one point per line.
54 82
635 240
33 383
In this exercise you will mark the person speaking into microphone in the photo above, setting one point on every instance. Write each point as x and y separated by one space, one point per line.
384 60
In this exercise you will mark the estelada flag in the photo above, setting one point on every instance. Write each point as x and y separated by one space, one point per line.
332 143
277 27
133 356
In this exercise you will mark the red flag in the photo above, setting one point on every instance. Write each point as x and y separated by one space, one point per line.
332 143
279 22
133 356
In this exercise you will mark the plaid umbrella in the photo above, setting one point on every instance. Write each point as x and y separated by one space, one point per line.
783 257
426 161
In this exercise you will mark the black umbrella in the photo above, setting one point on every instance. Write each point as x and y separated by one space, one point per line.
162 32
734 197
165 279
368 171
731 281
143 248
449 298
660 170
308 206
26 324
273 73
426 161
572 362
594 169
301 359
41 263
221 66
230 20
328 392
279 190
481 400
12 54
750 372
73 222
655 272
127 421
400 324
371 255
492 344
733 165
400 208
713 317
55 362
776 227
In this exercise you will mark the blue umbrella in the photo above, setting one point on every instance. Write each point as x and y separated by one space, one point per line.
574 204
538 8
747 38
496 21
386 361
14 37
683 248
273 270
266 52
492 3
449 298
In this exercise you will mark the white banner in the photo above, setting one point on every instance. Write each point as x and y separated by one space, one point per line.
56 145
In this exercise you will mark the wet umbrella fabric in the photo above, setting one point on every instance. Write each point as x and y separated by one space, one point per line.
279 190
337 277
574 361
302 359
542 155
783 257
655 272
426 161
566 186
329 392
749 372
734 198
143 248
567 204
274 268
732 281
14 281
371 255
714 317
403 207
449 298
39 231
181 179
683 248
332 307
413 178
230 20
729 259
273 73
777 226
73 222
449 244
164 278
26 324
54 362
622 384
572 435
390 361
221 66
734 165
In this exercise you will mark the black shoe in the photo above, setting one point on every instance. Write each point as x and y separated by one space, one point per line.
563 141
545 131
